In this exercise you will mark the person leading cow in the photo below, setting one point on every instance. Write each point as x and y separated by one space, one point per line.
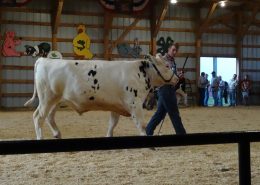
167 102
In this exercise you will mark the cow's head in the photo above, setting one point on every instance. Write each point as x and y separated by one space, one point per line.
30 51
164 74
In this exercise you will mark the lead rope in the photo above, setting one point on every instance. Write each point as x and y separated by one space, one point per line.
160 127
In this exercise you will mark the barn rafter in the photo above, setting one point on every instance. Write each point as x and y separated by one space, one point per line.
206 22
56 14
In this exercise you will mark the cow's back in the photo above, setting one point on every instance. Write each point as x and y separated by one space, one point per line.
89 85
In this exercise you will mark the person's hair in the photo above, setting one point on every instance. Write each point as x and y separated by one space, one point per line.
176 44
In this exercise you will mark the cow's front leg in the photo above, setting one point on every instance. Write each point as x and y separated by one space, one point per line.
138 117
113 120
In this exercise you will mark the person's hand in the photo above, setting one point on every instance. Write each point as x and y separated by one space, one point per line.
181 74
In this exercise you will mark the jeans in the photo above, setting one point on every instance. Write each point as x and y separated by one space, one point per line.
202 96
232 97
220 97
167 103
215 97
206 98
245 97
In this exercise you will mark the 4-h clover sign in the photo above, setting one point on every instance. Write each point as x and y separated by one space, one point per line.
163 44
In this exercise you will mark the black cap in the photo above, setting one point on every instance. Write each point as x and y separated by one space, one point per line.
213 72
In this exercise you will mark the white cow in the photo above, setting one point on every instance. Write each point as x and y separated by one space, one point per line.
116 86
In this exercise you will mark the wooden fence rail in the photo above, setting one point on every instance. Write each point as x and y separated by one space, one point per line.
132 142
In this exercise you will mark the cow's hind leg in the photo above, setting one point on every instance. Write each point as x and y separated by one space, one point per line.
38 118
113 120
51 122
38 122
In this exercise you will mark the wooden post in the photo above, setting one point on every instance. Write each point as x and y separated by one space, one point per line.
239 41
198 54
55 22
124 34
1 63
156 24
244 163
108 20
54 42
152 29
198 48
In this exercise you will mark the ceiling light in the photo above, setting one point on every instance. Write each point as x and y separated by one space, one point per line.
173 1
222 3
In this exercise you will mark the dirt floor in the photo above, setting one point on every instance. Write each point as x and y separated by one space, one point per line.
195 165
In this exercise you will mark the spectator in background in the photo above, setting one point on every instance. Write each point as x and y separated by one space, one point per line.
221 87
225 93
245 86
232 90
202 85
206 98
214 88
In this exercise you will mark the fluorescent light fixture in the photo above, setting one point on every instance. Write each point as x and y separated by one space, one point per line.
173 1
222 3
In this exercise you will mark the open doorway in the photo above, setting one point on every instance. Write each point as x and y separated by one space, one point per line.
224 67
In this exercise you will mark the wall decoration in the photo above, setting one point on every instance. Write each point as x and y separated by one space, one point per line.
9 44
125 6
39 50
54 55
163 45
81 43
125 50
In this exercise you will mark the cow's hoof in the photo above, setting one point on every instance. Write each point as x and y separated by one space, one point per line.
58 136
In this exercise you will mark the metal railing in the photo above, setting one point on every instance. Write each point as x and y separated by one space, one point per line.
130 142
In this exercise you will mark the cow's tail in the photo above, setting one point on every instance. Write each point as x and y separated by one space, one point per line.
30 101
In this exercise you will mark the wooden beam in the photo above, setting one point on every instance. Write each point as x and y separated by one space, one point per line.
152 30
56 22
205 24
232 27
56 16
245 28
161 17
17 95
123 35
108 21
239 43
1 63
197 49
17 81
223 19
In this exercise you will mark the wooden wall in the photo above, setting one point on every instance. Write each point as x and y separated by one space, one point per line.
33 25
